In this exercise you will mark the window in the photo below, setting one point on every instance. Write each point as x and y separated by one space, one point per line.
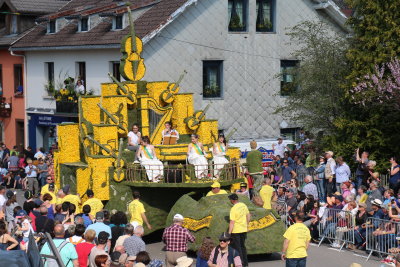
18 79
51 26
49 74
114 65
288 68
265 15
212 79
84 24
237 15
81 72
119 22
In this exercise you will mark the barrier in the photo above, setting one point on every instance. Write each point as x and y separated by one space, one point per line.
381 236
337 226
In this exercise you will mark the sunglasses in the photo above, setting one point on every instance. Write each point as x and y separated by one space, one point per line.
223 241
49 179
285 162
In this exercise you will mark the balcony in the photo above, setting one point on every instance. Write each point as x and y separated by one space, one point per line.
66 107
5 107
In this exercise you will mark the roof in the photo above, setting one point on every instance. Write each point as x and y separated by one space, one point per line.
35 6
157 14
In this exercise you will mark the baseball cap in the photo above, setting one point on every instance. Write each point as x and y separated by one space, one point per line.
89 193
178 217
224 237
51 186
233 197
100 215
28 194
215 184
9 194
103 237
38 202
243 185
20 214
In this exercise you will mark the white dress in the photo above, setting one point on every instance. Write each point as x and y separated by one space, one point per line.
199 161
154 167
219 158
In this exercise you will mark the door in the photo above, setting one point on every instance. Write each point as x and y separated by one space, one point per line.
20 132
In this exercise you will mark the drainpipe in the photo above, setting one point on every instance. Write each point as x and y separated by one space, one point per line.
25 98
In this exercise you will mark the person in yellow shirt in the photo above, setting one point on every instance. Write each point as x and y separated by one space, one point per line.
216 190
297 239
45 188
267 192
137 211
50 191
95 204
74 199
238 226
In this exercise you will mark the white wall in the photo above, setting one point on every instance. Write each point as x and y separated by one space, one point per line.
97 67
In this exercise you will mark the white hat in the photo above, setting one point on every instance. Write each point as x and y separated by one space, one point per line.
377 202
178 217
329 152
184 262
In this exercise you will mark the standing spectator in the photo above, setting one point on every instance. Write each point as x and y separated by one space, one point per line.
95 204
297 238
238 226
77 238
137 211
311 160
394 181
118 223
224 255
310 188
342 172
254 166
330 173
39 154
320 178
176 239
86 216
28 153
134 244
6 155
10 205
42 171
287 172
102 261
3 199
204 252
47 200
128 231
74 199
46 188
13 162
83 249
99 225
267 193
279 148
374 194
31 174
7 241
43 223
100 249
67 250
360 228
361 168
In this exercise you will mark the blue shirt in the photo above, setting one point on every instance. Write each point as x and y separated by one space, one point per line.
394 179
286 173
99 227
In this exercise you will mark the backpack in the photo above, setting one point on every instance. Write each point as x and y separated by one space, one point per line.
52 262
232 254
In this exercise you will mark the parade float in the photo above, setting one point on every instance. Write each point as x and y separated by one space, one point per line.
92 154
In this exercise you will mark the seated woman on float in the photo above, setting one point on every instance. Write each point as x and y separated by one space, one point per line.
169 134
219 152
148 159
196 156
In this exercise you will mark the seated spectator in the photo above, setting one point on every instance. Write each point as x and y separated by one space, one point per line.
83 249
294 185
374 194
67 250
345 189
43 223
388 196
361 194
102 242
128 231
134 244
224 255
204 252
301 196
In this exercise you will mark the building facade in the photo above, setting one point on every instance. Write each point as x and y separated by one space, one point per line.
232 51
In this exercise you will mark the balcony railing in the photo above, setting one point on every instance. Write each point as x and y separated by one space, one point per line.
66 107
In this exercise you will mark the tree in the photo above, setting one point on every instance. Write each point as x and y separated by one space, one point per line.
376 35
318 95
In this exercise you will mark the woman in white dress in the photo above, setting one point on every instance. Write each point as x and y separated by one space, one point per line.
219 152
169 131
195 156
148 159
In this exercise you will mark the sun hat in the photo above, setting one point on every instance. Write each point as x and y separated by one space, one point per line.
330 153
215 185
362 205
377 202
243 185
184 262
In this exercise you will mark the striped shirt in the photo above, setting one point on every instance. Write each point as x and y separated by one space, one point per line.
176 238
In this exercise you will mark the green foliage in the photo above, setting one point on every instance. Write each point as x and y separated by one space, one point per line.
317 97
376 26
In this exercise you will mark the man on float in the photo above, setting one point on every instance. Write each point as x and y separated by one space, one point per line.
216 190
